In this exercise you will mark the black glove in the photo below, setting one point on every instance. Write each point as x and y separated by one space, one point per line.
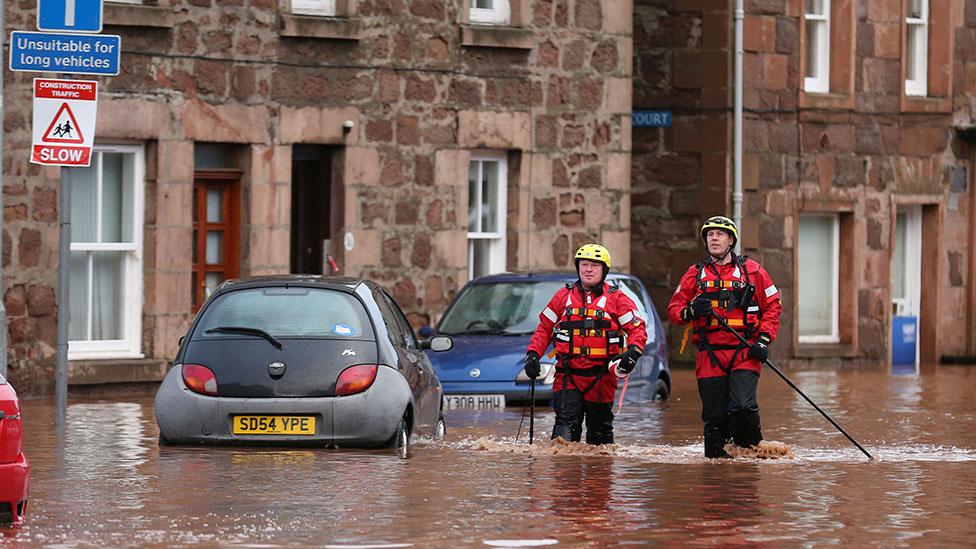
532 366
628 359
701 306
760 349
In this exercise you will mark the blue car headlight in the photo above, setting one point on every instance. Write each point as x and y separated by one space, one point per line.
546 377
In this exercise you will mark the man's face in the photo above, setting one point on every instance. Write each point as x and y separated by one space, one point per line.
590 272
718 242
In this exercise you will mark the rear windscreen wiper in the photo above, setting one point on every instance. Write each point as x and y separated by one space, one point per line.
244 330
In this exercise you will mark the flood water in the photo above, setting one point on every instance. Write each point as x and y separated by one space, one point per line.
104 481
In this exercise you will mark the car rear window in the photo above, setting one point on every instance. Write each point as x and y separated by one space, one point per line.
499 307
288 312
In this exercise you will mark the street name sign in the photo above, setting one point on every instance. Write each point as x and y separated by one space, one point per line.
64 121
69 15
65 53
651 119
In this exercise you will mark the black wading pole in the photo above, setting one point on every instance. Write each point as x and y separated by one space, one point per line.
793 385
531 410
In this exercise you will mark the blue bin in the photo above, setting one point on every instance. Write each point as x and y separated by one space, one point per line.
904 338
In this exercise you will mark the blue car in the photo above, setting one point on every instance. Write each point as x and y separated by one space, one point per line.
492 320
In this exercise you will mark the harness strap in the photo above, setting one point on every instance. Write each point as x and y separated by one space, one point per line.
583 311
597 372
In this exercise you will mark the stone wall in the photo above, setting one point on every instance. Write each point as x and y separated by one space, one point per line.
423 88
862 150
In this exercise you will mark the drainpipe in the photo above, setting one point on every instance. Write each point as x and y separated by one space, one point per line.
737 137
3 310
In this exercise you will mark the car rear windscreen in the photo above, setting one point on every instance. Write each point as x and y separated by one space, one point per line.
499 307
288 312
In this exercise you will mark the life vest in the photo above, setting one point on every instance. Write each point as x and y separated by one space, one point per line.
734 300
587 329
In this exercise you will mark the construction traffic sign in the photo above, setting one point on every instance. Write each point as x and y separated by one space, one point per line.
64 121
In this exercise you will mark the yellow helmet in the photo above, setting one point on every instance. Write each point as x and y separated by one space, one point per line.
593 252
720 222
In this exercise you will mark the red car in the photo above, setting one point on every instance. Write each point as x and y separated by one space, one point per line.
14 469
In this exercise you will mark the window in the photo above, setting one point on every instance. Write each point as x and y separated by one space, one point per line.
288 312
906 261
487 206
494 12
106 255
817 20
917 47
314 7
818 246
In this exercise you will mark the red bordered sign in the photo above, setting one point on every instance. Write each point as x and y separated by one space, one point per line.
64 121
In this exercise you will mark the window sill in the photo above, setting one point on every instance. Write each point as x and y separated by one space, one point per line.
485 36
830 100
916 103
134 15
99 372
824 350
330 28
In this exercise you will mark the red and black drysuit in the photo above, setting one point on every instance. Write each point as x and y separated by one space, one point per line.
587 329
742 293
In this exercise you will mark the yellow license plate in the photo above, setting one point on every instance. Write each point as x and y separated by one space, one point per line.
274 425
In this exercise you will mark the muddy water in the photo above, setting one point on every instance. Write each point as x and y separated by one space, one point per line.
103 480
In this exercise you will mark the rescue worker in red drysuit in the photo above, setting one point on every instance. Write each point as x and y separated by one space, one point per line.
739 290
590 324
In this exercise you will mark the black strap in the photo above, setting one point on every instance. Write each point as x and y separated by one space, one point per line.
598 373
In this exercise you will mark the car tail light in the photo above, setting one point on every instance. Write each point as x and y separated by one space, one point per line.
355 379
200 379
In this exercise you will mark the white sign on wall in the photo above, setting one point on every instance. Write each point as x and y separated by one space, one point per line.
64 121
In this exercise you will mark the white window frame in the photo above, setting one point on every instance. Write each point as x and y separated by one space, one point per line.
820 82
834 335
130 346
917 84
321 8
500 13
497 246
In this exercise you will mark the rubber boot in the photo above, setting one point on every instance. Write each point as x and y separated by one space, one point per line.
564 431
599 422
746 430
716 437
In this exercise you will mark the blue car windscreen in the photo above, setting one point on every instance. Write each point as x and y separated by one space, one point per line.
507 308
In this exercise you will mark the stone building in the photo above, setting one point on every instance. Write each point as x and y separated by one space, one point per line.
416 143
857 169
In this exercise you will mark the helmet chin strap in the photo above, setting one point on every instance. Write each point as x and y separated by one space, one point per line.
719 258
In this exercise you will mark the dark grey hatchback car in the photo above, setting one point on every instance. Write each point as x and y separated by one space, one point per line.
301 360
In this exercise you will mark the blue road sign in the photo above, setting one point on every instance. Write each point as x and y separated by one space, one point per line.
66 53
69 15
651 119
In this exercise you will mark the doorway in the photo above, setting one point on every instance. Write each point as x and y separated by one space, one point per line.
906 274
311 210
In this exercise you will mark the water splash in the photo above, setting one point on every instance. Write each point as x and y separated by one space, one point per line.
691 453
766 449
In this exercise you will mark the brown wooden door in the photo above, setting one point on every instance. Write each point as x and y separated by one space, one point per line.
216 232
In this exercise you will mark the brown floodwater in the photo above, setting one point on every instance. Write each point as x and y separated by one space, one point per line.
103 481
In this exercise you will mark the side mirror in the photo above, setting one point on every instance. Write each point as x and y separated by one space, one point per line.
180 342
438 343
425 332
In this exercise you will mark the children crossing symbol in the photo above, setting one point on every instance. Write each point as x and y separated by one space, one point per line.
63 128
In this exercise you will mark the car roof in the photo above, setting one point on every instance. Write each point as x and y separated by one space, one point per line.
318 281
533 276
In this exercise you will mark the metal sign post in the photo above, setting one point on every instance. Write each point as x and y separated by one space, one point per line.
64 313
